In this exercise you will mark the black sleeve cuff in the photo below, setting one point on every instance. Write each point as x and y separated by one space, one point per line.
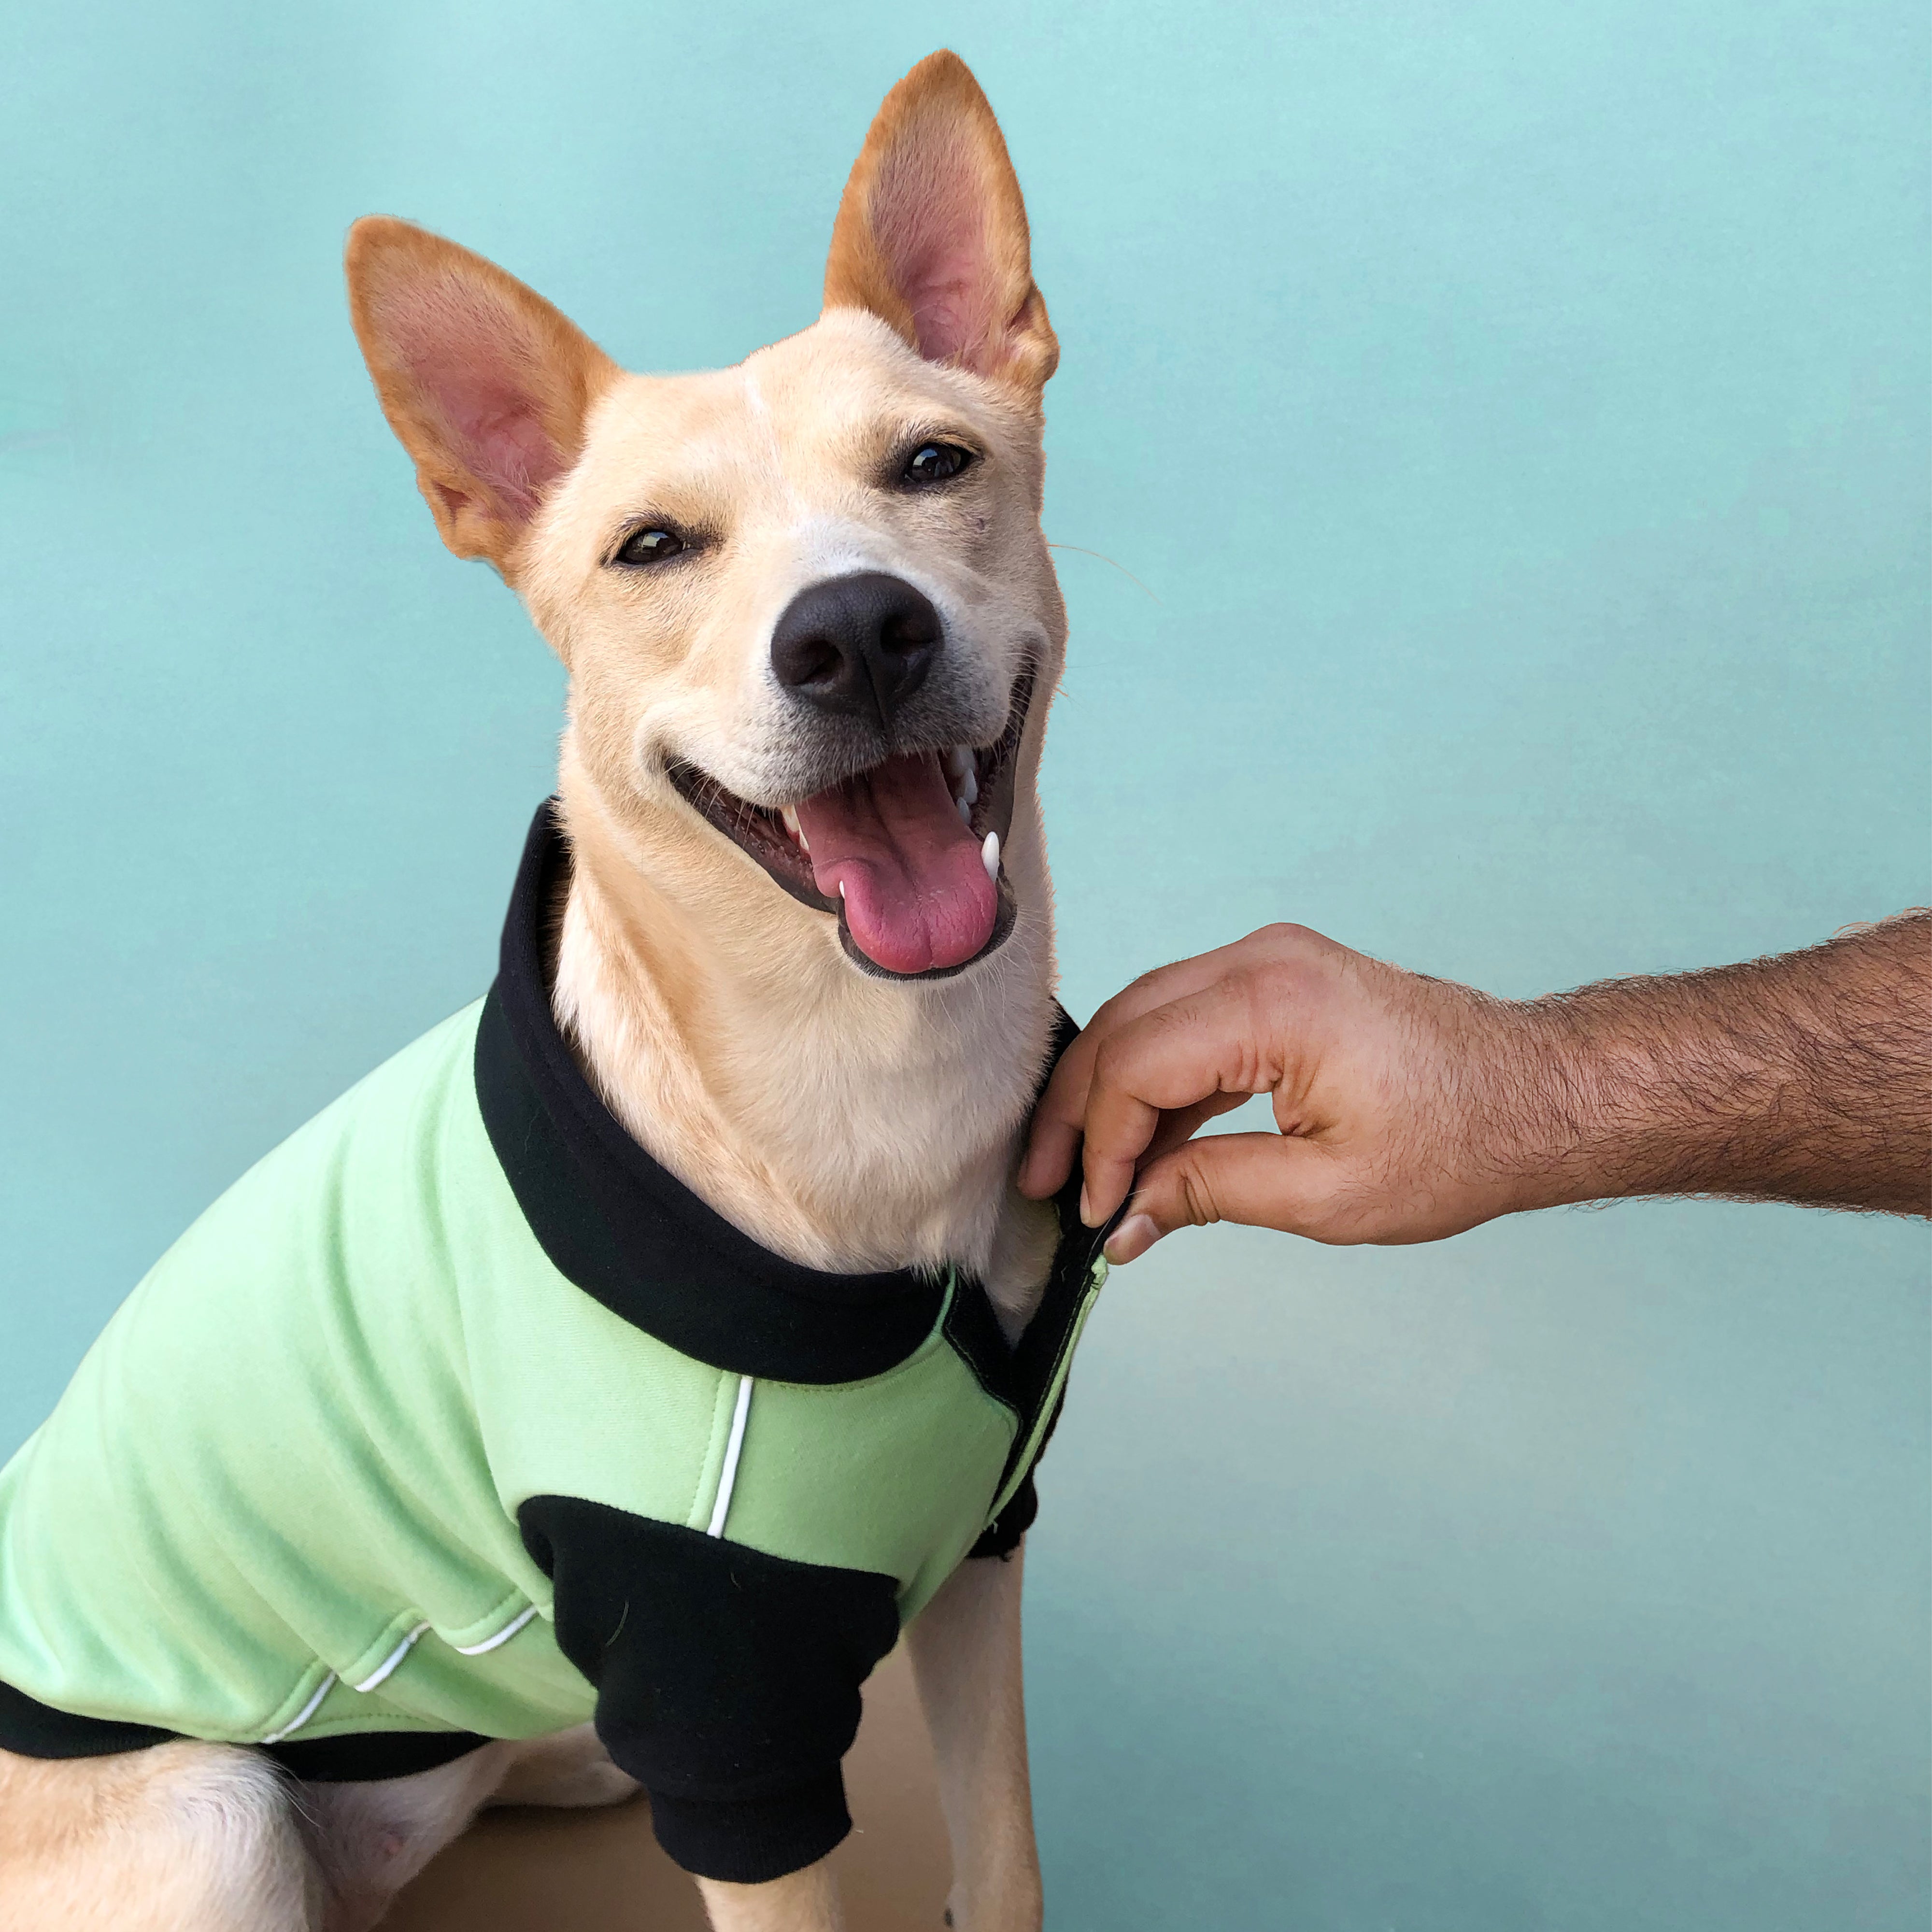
749 1841
1001 1537
727 1679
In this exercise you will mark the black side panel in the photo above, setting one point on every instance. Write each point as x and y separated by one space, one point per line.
973 1330
727 1681
364 1757
1020 1376
30 1728
1039 1350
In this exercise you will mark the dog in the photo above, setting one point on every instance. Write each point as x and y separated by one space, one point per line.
589 1398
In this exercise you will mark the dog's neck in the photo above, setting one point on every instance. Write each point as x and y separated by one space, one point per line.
846 1123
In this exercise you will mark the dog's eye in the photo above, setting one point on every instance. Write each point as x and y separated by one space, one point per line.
936 462
650 547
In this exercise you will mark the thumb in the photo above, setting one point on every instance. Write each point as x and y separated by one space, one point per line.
1261 1180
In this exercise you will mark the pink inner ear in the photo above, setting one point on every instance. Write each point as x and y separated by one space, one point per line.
928 219
474 363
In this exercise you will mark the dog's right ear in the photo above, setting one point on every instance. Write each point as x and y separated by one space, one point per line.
486 384
931 234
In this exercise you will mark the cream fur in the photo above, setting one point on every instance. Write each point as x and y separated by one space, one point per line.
183 1835
198 1837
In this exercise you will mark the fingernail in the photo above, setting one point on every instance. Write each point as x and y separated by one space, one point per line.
1088 1219
1131 1239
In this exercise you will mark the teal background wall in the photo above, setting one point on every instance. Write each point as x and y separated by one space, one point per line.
1517 416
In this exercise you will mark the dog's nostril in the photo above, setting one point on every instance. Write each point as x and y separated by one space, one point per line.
811 661
909 632
860 645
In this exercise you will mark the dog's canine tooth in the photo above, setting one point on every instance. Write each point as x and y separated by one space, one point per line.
960 763
989 854
791 825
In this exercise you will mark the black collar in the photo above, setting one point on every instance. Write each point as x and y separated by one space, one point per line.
630 1234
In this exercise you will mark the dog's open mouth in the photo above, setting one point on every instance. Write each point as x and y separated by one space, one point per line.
905 855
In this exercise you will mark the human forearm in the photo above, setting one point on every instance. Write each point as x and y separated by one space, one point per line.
1807 1077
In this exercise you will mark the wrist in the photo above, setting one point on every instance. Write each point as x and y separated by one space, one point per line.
1606 1115
1541 1108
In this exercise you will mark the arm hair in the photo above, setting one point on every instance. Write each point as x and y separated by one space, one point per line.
1806 1077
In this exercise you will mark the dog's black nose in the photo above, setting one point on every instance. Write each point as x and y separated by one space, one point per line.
861 645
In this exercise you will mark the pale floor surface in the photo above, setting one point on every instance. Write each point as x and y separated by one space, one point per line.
601 1871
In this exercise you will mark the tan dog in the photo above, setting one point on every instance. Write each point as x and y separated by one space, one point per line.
806 954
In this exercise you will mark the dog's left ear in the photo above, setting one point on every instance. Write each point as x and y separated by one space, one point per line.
931 235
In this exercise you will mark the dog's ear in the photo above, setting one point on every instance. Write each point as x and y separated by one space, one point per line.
931 235
485 384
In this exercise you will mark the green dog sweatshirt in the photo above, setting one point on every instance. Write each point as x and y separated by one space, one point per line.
458 1417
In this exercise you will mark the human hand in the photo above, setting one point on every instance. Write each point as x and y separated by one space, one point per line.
1392 1095
1410 1108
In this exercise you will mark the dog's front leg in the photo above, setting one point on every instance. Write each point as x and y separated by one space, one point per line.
966 1657
802 1901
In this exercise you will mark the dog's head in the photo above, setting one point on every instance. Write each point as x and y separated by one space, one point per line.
805 604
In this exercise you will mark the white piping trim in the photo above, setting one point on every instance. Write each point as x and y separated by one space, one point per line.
503 1636
307 1711
728 1478
395 1657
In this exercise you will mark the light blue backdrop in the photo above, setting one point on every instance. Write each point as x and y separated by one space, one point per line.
1518 417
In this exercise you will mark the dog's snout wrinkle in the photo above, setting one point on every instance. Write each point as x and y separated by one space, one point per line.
859 646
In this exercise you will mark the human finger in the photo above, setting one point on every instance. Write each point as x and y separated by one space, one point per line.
1053 1138
1259 1180
1192 1053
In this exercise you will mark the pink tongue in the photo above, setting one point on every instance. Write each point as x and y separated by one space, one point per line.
916 892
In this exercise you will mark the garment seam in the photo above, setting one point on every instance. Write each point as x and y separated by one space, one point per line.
734 1449
1027 1450
498 1638
1011 1407
489 1619
695 1514
385 1651
328 1682
388 1668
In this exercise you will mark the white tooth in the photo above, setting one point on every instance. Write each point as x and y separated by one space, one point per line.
959 762
965 813
972 786
842 888
989 856
790 818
